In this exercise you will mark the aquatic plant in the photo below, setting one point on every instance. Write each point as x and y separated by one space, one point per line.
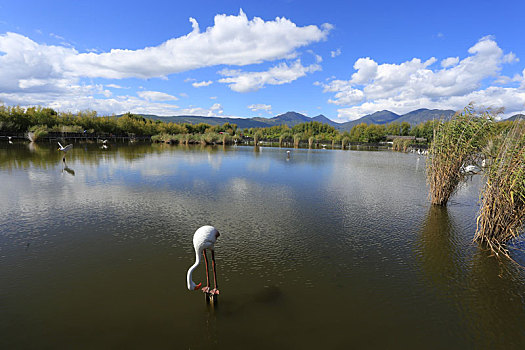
455 145
226 139
401 144
310 141
502 212
344 141
256 137
297 139
36 132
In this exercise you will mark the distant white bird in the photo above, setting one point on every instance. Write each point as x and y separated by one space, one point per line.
65 150
470 169
9 138
204 238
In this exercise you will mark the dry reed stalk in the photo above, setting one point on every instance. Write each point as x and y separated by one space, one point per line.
310 141
296 140
502 213
455 145
344 142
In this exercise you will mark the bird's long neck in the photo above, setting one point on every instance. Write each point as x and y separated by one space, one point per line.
189 280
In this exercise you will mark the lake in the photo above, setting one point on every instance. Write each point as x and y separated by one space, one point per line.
324 249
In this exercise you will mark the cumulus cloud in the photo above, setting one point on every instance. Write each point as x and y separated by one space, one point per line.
34 73
260 107
419 84
156 96
202 83
252 81
232 40
335 53
449 62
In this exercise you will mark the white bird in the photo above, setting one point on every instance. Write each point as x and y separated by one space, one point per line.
65 150
471 169
9 138
204 238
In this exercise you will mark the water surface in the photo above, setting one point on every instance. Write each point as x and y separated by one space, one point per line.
324 249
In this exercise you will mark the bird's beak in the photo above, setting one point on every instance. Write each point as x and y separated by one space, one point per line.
198 286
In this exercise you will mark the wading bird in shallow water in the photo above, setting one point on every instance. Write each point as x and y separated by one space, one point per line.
204 238
65 150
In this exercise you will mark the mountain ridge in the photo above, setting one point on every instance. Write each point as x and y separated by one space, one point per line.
292 118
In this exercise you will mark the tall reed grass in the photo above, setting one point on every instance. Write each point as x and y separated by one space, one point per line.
456 144
502 212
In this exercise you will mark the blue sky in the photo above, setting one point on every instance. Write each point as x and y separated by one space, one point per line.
343 59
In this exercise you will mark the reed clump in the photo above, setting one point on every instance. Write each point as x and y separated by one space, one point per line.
296 140
36 132
456 144
502 212
401 144
310 141
344 141
256 137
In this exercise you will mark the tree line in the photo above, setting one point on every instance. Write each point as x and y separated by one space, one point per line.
15 119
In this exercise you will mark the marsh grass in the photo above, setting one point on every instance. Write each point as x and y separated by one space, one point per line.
456 144
310 141
36 132
502 212
401 145
296 140
345 142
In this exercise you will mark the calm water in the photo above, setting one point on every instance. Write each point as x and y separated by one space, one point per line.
327 249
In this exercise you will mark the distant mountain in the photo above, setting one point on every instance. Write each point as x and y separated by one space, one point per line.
288 118
424 114
294 118
324 120
382 117
516 116
193 119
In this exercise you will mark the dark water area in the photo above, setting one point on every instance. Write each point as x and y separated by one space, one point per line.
324 249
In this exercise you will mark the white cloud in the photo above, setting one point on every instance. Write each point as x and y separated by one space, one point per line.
260 107
156 96
115 86
202 83
335 53
449 62
417 84
34 73
252 81
232 40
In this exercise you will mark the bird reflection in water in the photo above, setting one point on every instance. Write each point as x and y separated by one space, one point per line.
68 170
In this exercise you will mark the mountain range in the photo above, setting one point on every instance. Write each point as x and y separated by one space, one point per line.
293 118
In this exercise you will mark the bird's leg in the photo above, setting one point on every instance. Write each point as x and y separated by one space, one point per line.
207 288
216 286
